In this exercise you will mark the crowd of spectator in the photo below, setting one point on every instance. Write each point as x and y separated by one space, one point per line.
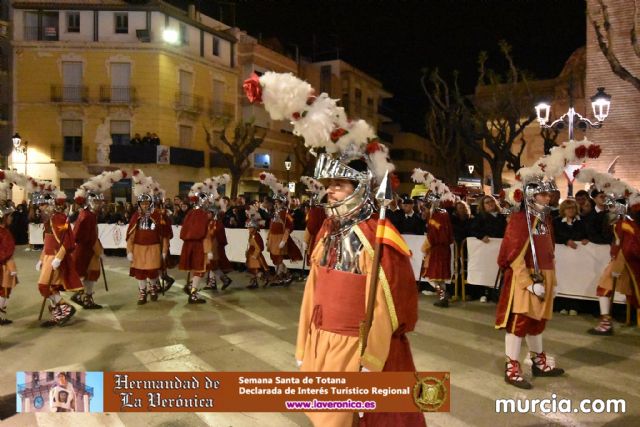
150 138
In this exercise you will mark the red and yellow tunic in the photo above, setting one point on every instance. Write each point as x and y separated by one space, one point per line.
194 234
334 304
217 240
147 246
279 231
86 256
520 311
437 247
58 243
7 264
625 260
255 259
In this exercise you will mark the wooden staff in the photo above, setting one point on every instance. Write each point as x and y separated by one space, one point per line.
104 276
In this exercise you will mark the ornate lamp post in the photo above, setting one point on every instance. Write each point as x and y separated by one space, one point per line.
21 147
600 103
287 166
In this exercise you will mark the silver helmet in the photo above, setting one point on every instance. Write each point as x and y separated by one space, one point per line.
536 186
94 199
5 211
202 200
328 168
146 197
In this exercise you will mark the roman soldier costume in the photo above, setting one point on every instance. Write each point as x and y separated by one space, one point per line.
88 252
57 270
622 274
527 258
147 241
437 246
8 270
335 296
256 263
279 242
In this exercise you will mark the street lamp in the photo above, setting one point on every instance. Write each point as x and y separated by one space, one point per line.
600 103
287 166
21 147
471 168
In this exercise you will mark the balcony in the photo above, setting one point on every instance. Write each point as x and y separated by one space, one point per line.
77 152
133 153
221 109
186 157
47 33
188 102
145 154
69 94
118 95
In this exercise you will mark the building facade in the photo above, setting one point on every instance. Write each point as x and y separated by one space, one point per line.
91 75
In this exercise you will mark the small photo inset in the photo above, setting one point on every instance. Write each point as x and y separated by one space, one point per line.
59 391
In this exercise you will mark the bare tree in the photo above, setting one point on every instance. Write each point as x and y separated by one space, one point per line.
234 152
549 137
446 121
602 28
502 111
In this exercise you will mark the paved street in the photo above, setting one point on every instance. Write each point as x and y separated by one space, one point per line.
242 330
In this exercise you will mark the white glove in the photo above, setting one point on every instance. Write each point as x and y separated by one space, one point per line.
13 273
281 244
537 289
130 256
615 274
210 256
56 263
38 265
298 363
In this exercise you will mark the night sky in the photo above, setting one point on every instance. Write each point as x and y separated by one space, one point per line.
393 40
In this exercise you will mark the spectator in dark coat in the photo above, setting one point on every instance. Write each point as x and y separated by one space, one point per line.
599 231
409 222
569 229
461 222
20 224
489 222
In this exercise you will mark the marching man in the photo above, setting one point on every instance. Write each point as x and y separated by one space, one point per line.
622 274
8 271
256 264
88 252
316 216
437 245
527 258
219 263
62 397
57 272
279 242
330 338
147 242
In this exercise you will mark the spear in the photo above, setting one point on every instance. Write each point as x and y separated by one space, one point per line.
384 196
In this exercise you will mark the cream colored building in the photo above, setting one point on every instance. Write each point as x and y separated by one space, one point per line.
89 75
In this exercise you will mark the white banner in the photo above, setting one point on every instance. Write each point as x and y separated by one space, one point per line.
577 270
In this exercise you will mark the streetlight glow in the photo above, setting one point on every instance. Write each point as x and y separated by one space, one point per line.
170 36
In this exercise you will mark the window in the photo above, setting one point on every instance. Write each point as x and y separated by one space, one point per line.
186 135
50 374
219 88
122 22
120 132
69 186
262 160
184 34
73 22
216 46
120 82
72 140
72 90
50 26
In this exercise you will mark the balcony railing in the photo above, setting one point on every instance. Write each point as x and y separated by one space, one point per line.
188 102
77 153
70 94
48 33
118 95
221 109
133 153
187 157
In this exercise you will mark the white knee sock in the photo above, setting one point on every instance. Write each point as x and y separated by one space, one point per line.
195 283
605 305
534 342
142 285
512 344
88 286
3 302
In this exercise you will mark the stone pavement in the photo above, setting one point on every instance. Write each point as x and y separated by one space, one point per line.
243 330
